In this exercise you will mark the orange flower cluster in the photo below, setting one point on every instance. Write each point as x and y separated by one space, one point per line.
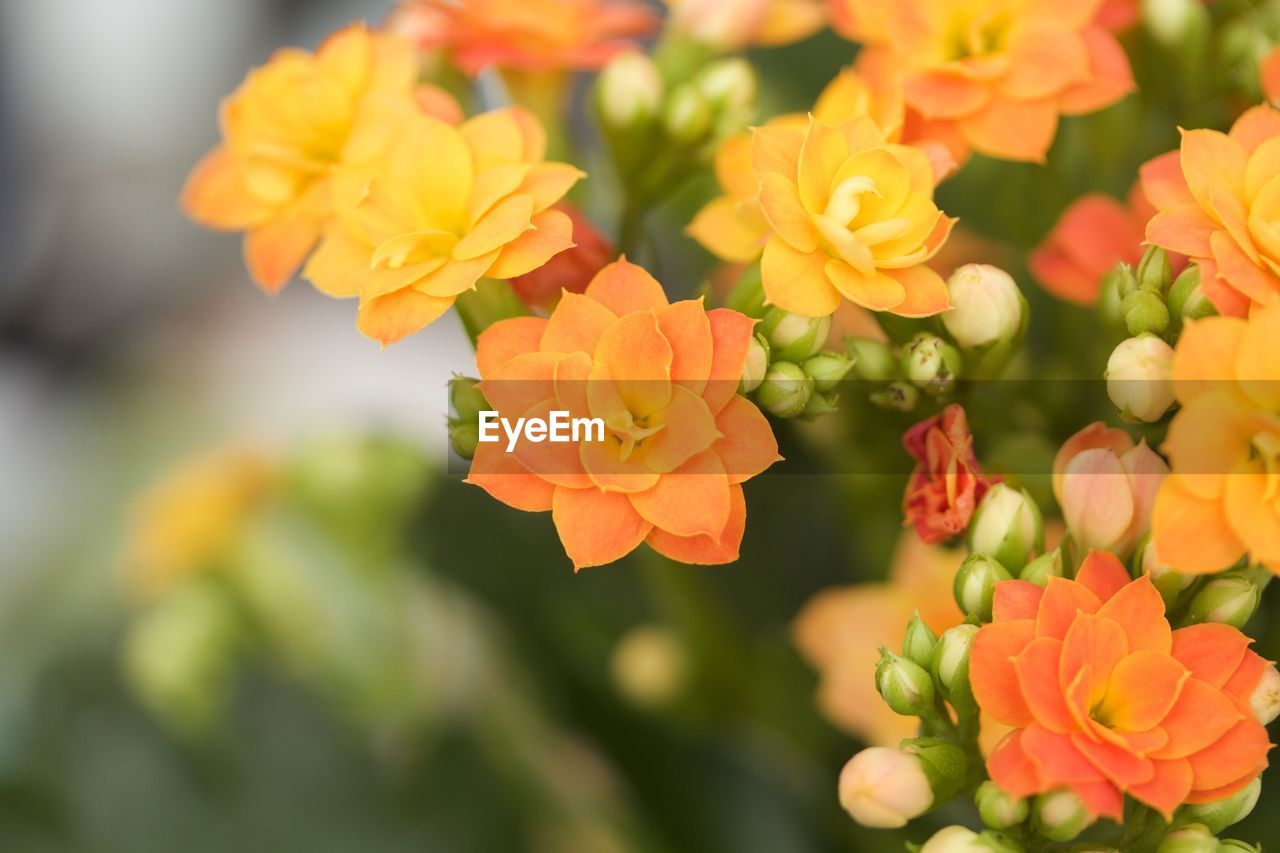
1107 700
998 74
679 440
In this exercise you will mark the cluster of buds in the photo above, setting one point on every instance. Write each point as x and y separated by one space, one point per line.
788 369
466 402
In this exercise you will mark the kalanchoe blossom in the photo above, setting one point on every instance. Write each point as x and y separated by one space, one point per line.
1107 700
1222 500
999 73
679 440
947 484
1271 76
438 208
285 131
1218 199
571 270
526 35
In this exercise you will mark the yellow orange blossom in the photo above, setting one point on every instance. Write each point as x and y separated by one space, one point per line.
1222 500
851 216
1107 700
679 441
526 35
1219 202
732 226
735 24
285 130
1001 72
184 520
439 208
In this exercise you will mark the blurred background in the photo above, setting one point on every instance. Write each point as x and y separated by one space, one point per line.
386 659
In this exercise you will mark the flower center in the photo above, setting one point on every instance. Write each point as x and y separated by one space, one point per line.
629 433
976 34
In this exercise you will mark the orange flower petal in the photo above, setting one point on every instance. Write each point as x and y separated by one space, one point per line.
216 195
1118 764
638 359
275 251
1037 670
1046 59
730 230
1212 652
1096 643
557 462
1012 769
1271 75
397 315
576 325
1202 714
1013 130
704 550
1244 680
1016 599
1234 756
1212 160
942 94
780 201
688 428
1060 761
748 445
547 183
501 475
927 293
1256 126
1143 688
623 287
1062 600
552 234
607 469
520 383
505 340
992 673
1191 534
824 151
1139 610
1234 266
507 220
875 292
1111 77
1103 573
685 325
596 527
455 277
1168 788
1252 513
1182 228
692 500
797 282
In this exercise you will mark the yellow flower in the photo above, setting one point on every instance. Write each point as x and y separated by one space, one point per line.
437 209
182 522
851 216
284 131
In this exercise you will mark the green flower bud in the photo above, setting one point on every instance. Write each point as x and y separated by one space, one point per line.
1000 809
944 763
954 839
919 642
931 363
819 405
1046 566
1154 272
1145 313
896 397
629 91
1060 815
794 337
756 365
1116 285
872 360
465 398
1186 297
1170 584
1235 845
1121 280
785 391
1007 526
975 585
730 87
904 684
1194 838
1229 599
1181 26
827 370
950 666
464 437
1216 817
1140 378
687 117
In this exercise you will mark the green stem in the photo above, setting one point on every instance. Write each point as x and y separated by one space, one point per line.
490 302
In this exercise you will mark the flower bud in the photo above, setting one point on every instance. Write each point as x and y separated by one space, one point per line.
1116 285
1216 817
1107 488
950 665
1121 280
961 839
1140 378
884 788
1170 584
897 397
986 306
944 763
756 365
1235 845
931 363
1230 599
1154 273
919 642
1000 809
904 684
1060 815
1046 566
819 405
827 370
1265 699
1007 526
785 391
1180 26
1193 838
725 25
1186 297
687 117
794 337
730 87
975 585
1145 313
872 360
629 91
465 398
464 437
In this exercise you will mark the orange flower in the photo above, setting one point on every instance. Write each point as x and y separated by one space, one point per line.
436 210
947 484
1271 76
733 226
1222 500
679 441
526 35
840 629
1000 72
285 130
1219 200
1107 700
1093 235
736 24
571 270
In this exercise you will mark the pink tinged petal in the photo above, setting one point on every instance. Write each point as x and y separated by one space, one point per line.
689 428
1212 652
1016 599
685 325
1163 181
501 475
1062 600
705 550
731 334
552 234
1059 760
780 201
692 500
1096 501
576 325
596 527
747 446
1182 228
623 287
1037 668
1012 769
505 340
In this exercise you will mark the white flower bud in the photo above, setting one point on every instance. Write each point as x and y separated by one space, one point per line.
1007 526
986 306
1140 378
630 90
884 788
1265 699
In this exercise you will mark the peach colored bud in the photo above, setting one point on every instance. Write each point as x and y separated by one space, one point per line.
724 24
884 788
986 306
1107 490
1140 378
